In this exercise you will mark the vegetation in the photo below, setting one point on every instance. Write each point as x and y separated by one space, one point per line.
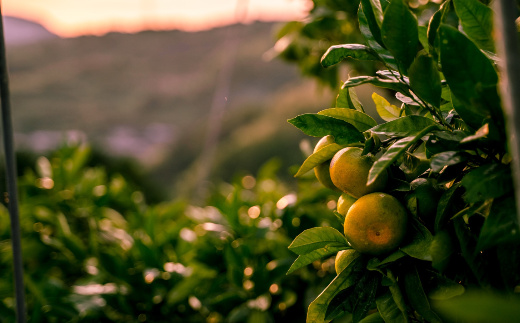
444 151
95 250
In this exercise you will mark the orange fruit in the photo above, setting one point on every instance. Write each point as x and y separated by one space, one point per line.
376 224
345 201
344 258
322 171
349 172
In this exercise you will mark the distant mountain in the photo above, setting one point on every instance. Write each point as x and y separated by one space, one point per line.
20 31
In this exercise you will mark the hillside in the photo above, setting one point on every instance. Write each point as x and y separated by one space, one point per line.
19 31
147 96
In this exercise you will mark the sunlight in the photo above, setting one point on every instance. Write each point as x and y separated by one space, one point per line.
96 17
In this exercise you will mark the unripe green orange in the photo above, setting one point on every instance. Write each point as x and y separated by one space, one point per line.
349 172
345 201
344 258
322 171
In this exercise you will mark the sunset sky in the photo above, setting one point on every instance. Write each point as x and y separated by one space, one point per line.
69 18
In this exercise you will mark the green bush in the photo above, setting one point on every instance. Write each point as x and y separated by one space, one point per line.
95 250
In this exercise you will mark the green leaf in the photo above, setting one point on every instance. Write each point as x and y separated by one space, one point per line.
337 53
477 22
386 111
321 156
441 250
316 238
368 24
400 33
370 30
357 300
486 182
348 277
443 288
423 37
388 309
425 80
360 120
378 11
416 295
373 318
375 263
474 260
347 98
394 152
469 74
319 126
447 207
481 307
317 254
421 239
447 158
376 81
404 126
501 225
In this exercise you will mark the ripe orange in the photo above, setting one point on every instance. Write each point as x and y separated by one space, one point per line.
349 172
344 258
376 224
322 171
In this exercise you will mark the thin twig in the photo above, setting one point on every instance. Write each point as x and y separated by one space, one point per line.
10 163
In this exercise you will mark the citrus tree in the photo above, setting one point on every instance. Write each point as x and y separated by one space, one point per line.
427 210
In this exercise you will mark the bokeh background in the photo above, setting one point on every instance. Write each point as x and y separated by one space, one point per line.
188 90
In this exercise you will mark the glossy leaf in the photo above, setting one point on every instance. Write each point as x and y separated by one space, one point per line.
486 182
477 22
386 111
347 98
317 254
388 309
337 53
447 158
501 225
348 277
400 33
316 238
425 80
416 295
376 81
360 120
319 126
423 38
420 241
404 126
444 288
373 318
368 24
441 250
468 73
370 30
447 207
356 300
324 154
394 152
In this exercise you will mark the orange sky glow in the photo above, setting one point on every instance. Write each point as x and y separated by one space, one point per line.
71 18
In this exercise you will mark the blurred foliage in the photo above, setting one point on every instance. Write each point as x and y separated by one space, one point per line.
332 22
95 250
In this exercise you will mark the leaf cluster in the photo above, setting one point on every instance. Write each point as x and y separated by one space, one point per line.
445 148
